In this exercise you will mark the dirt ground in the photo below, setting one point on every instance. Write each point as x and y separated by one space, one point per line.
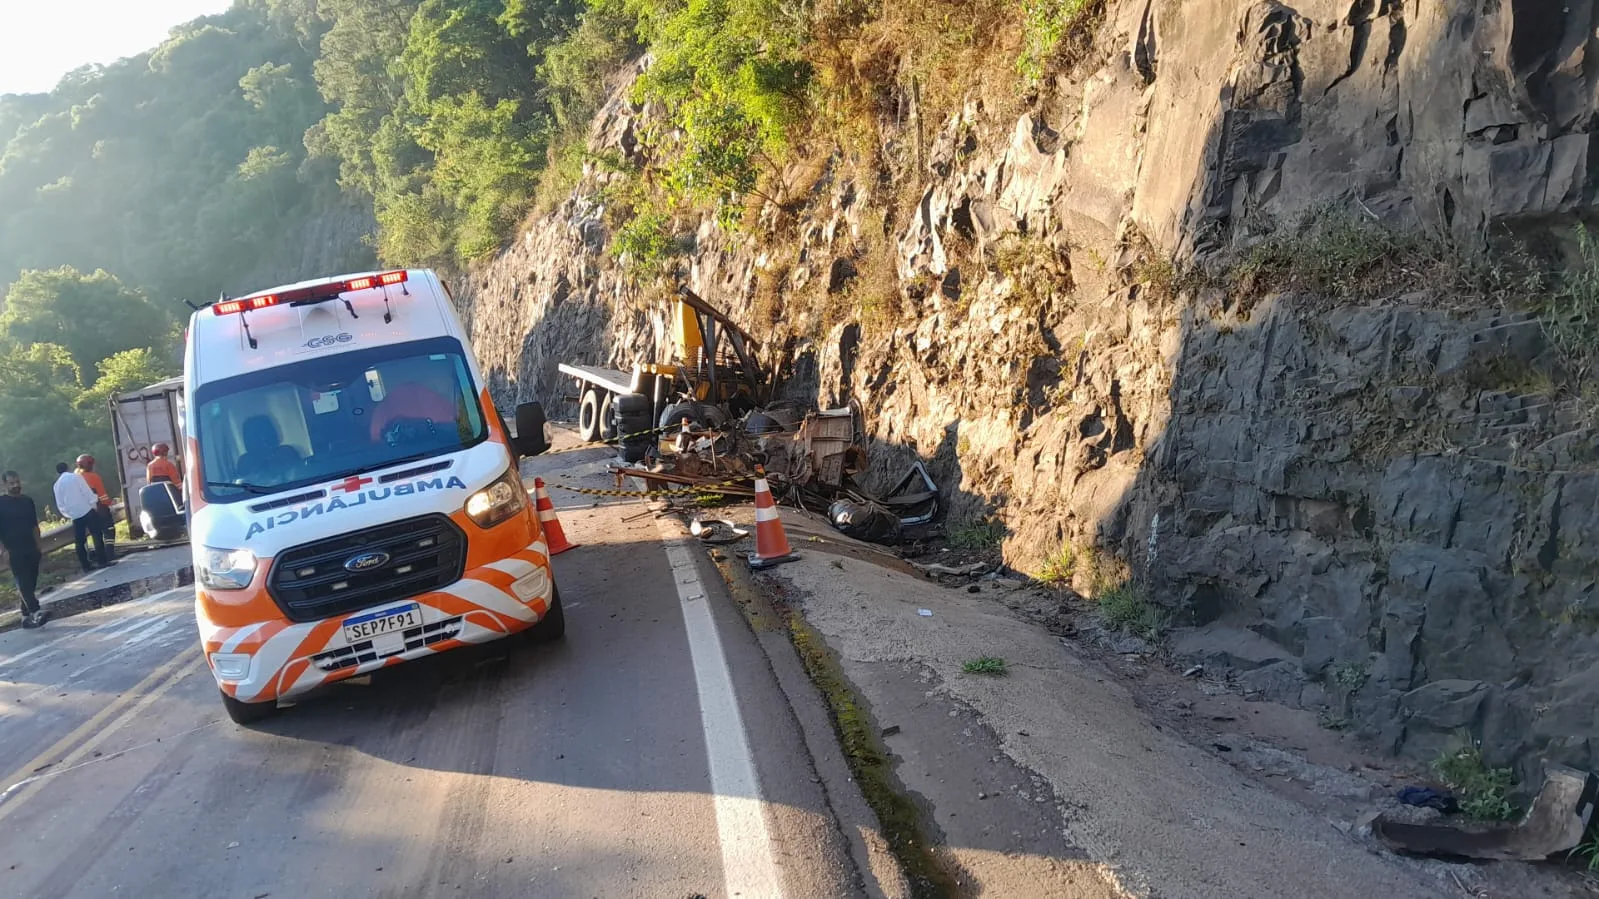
1085 771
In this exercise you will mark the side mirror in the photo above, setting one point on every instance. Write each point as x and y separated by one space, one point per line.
529 439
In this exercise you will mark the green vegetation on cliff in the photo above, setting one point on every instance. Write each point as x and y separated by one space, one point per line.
252 147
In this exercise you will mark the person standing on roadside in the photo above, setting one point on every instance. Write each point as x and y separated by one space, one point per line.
76 500
24 549
103 517
161 468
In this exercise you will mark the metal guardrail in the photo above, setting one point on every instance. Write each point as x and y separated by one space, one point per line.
61 535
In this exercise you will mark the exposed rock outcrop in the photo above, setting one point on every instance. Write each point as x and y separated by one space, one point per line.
1387 492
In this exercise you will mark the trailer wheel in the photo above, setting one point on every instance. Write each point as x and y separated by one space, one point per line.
588 416
607 426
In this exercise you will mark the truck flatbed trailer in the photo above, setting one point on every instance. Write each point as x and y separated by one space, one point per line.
605 378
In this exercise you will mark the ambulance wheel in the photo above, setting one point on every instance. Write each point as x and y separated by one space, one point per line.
552 626
248 712
588 416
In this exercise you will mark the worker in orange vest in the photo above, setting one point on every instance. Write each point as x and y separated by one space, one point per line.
106 522
161 468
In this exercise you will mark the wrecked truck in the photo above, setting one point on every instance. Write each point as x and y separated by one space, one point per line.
708 418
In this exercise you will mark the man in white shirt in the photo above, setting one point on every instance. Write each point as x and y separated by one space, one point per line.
76 500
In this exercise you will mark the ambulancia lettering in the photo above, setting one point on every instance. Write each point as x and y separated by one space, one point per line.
349 501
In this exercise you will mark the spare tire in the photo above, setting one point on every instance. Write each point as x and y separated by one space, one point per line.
630 419
694 412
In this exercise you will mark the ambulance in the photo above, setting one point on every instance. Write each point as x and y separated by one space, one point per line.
354 495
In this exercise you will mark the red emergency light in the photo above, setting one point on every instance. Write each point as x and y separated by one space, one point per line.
330 290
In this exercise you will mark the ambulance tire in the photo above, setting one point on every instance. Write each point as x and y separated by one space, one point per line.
552 626
588 416
248 712
606 425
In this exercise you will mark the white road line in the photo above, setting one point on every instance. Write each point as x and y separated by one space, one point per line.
113 623
748 865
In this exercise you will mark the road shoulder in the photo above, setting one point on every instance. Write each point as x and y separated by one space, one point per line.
1052 774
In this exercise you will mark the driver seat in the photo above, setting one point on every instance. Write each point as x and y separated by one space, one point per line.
265 451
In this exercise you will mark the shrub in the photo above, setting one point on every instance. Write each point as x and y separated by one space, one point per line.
1045 24
645 241
1482 789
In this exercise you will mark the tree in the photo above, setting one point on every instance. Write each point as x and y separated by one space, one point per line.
147 167
39 424
120 373
90 316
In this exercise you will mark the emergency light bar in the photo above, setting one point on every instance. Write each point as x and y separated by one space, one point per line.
328 291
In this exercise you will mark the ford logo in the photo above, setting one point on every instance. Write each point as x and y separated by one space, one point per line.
366 561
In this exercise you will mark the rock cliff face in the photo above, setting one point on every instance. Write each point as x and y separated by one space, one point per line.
1385 495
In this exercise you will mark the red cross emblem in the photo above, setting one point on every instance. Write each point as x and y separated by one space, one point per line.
352 484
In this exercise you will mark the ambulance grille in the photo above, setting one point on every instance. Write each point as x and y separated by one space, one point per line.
310 582
361 653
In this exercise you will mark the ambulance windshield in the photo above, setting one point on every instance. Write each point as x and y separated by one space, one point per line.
335 415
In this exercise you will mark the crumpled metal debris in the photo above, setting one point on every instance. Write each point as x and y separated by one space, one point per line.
1556 822
716 530
864 521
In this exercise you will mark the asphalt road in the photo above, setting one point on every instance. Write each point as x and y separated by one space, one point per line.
651 753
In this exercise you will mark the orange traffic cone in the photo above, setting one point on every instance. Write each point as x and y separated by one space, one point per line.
554 537
771 544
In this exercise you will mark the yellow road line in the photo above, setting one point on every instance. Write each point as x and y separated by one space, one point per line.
95 731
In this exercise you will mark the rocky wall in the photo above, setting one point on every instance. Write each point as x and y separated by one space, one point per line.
1377 507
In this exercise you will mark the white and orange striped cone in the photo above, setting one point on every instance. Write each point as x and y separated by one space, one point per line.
554 537
771 544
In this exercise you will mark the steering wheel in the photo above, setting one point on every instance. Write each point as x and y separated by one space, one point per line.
403 431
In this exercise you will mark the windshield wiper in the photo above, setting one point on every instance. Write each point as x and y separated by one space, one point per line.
386 464
257 489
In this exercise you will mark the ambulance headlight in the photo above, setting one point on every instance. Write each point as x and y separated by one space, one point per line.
498 501
226 569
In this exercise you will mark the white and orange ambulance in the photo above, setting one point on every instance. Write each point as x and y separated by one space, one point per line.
354 495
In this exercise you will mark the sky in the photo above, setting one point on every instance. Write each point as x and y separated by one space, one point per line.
45 39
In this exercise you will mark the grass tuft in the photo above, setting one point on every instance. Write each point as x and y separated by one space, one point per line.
1570 313
1588 849
1058 569
989 665
1340 256
1127 607
976 535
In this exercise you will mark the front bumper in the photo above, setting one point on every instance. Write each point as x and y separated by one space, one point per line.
279 659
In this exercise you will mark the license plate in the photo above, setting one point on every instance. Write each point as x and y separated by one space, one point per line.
384 621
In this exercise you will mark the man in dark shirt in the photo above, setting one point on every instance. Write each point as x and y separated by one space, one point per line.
19 535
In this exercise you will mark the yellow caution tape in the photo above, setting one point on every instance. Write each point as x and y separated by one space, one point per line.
688 489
